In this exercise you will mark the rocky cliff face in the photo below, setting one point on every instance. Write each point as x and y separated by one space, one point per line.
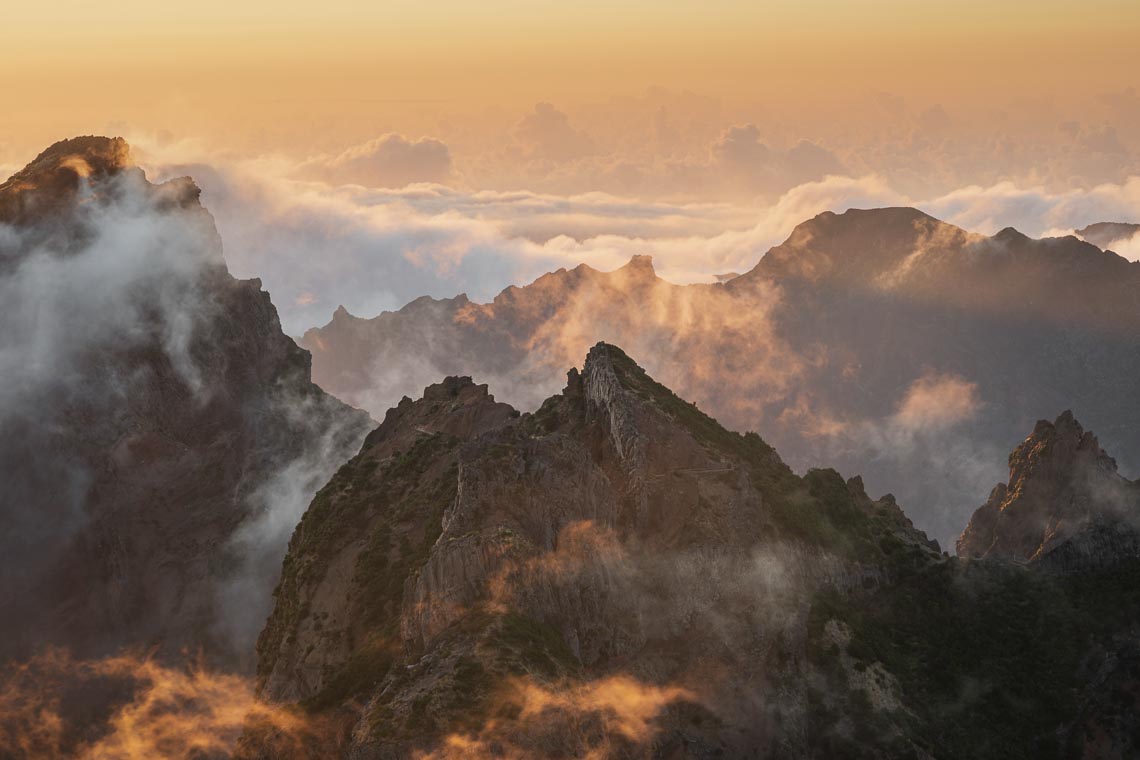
883 341
156 420
1061 484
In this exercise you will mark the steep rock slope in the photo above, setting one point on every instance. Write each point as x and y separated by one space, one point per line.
880 341
1061 483
156 420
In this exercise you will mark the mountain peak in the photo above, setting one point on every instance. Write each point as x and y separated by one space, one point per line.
859 245
455 406
639 268
50 181
1010 235
70 160
1060 480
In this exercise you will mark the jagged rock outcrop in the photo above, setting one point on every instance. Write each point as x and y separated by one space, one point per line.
819 345
1061 484
155 418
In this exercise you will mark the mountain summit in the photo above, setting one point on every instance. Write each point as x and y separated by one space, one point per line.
1060 482
617 575
49 183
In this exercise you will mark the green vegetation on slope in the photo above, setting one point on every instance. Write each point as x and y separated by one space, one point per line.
988 654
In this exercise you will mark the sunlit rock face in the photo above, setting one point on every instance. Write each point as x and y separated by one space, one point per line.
1061 483
156 422
618 575
881 341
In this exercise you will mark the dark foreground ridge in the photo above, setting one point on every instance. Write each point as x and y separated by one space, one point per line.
154 411
618 574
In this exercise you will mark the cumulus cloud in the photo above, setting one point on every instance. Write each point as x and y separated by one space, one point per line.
1129 248
938 429
1120 239
1035 210
546 133
745 160
390 160
379 249
936 402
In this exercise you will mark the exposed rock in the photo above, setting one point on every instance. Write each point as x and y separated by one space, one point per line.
618 575
1106 234
1060 482
616 533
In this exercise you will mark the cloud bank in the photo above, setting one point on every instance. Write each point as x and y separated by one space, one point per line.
318 245
391 160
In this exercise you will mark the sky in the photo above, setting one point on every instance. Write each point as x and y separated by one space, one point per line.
442 147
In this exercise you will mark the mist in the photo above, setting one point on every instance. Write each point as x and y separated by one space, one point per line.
145 392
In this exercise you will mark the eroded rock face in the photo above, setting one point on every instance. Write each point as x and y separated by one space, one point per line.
616 533
156 420
1061 482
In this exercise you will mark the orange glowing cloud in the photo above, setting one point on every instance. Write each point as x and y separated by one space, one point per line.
128 707
597 717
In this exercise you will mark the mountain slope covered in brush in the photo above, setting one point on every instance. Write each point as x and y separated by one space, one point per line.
618 574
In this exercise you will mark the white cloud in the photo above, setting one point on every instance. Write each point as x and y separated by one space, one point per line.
391 160
318 245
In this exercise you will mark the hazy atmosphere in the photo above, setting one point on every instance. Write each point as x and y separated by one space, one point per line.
533 379
514 138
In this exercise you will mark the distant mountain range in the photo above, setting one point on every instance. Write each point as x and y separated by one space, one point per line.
882 341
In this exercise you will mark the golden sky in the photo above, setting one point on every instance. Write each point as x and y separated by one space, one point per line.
341 71
440 146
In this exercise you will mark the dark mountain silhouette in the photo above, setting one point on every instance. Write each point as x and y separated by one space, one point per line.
153 414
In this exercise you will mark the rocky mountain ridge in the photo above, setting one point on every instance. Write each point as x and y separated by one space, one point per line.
1061 482
619 547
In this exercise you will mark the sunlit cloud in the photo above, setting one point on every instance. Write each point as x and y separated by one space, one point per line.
317 245
151 710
